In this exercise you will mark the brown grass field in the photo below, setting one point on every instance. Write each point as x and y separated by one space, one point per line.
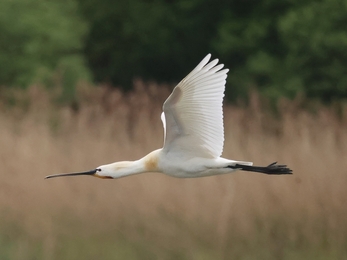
153 216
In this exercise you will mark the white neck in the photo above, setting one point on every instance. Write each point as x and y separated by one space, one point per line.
149 163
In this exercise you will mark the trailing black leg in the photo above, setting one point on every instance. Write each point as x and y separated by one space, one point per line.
273 168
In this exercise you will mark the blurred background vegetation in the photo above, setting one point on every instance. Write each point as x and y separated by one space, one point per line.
280 48
82 83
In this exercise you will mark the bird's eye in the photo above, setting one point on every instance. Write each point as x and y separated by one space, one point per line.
98 170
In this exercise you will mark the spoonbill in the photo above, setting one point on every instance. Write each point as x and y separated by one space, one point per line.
193 133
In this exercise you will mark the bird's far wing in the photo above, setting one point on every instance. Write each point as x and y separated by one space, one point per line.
193 113
162 117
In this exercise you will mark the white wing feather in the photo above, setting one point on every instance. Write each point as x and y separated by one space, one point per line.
193 113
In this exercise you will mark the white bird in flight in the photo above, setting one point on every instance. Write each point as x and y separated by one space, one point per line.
193 133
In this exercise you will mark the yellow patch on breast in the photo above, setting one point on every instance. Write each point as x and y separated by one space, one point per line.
151 163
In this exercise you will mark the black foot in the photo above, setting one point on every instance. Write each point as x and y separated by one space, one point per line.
273 168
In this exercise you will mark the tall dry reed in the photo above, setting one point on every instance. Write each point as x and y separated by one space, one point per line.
38 137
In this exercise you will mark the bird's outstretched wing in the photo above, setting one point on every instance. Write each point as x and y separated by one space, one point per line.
193 113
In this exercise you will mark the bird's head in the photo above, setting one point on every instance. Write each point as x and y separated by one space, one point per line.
104 172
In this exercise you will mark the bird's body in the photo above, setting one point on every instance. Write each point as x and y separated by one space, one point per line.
193 133
173 165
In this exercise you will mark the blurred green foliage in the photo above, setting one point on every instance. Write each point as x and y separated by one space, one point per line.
40 38
288 47
280 48
160 40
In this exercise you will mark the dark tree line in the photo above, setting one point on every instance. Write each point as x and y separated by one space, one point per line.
281 48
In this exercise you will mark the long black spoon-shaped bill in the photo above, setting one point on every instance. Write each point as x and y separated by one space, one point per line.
92 172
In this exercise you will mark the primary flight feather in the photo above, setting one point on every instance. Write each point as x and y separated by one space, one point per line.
193 133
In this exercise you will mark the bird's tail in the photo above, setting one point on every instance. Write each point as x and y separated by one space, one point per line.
272 168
